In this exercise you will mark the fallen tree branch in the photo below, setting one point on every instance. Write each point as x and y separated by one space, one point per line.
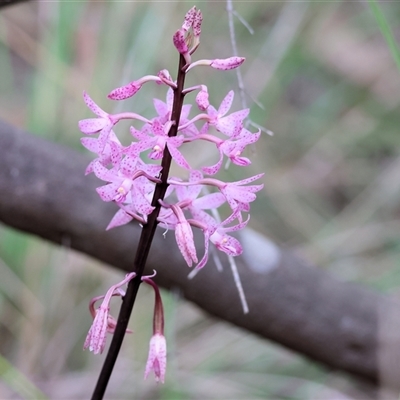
345 326
5 3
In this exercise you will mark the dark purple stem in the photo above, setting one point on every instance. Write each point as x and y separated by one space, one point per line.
144 246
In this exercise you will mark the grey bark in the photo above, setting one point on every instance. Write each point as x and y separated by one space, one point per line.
5 3
343 325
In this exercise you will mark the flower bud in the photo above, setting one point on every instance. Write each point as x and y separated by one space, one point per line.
165 77
189 19
124 92
222 64
227 63
179 40
202 98
198 19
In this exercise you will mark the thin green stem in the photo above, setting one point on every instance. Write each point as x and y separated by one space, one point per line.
386 31
143 250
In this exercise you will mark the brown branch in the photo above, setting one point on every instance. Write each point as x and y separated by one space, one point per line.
342 325
4 3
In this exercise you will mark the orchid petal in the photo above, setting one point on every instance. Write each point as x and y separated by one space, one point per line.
226 103
92 125
93 106
120 218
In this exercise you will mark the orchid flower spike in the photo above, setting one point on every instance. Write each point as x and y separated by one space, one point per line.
136 178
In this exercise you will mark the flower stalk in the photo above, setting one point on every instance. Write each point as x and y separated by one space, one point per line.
144 245
145 192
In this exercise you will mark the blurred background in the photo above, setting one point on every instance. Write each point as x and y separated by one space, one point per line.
320 75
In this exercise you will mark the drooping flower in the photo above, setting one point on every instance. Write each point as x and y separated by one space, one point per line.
96 337
184 236
157 359
103 322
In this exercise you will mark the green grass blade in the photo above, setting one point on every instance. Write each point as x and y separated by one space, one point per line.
18 382
386 31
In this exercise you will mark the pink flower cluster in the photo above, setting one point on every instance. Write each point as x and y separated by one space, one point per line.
130 181
139 184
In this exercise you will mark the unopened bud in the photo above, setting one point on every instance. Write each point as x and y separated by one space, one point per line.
189 19
166 78
221 64
227 63
198 19
180 42
124 92
202 99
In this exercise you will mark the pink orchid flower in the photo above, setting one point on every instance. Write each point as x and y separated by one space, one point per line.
156 139
230 125
110 154
157 359
103 322
122 180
